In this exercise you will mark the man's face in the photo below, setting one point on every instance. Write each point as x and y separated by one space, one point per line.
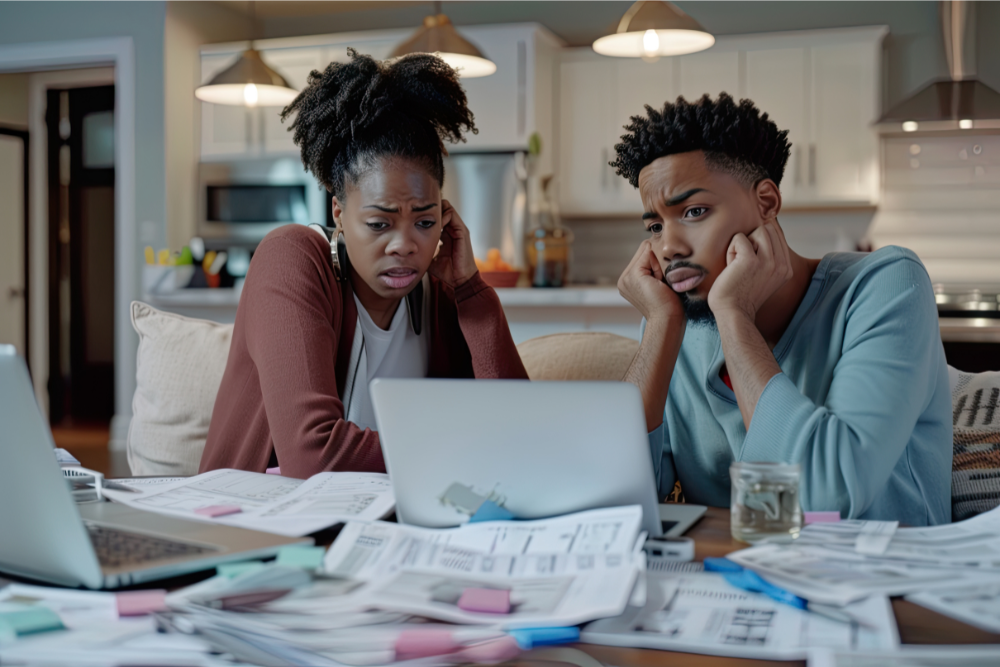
692 214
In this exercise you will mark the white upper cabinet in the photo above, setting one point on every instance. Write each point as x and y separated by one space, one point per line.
777 83
508 106
822 86
225 130
711 72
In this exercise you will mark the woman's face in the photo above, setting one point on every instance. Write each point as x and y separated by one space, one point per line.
391 221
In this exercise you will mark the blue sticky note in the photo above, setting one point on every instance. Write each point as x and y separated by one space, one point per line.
28 621
308 558
233 570
490 511
529 638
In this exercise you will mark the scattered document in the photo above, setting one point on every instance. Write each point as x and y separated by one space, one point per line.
560 571
976 604
824 565
146 483
907 656
702 613
270 503
64 458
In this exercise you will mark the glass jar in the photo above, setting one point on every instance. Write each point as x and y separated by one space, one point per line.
548 253
765 500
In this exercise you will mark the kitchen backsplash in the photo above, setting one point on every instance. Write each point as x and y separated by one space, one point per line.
603 247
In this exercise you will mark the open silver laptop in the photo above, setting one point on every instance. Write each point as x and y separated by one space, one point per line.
537 449
45 535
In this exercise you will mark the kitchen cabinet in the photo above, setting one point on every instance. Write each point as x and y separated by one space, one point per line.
509 105
822 86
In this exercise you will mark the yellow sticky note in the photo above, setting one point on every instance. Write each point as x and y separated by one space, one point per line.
150 255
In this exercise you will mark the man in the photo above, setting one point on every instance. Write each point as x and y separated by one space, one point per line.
760 354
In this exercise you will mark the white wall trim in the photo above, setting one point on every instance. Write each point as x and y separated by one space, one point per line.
38 56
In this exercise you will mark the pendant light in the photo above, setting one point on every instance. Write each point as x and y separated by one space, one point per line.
438 36
248 82
650 29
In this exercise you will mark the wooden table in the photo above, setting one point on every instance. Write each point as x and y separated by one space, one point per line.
711 535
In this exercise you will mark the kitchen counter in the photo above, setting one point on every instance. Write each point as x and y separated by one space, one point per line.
970 329
530 312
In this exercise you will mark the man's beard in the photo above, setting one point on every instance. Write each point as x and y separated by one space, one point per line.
697 311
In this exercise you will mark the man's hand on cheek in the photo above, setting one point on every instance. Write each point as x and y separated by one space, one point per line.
642 285
756 267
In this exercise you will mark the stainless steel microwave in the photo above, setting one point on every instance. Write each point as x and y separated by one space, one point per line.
243 201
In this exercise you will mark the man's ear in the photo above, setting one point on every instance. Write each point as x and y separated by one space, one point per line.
768 199
338 211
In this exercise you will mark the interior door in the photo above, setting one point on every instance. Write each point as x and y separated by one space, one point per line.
13 217
81 253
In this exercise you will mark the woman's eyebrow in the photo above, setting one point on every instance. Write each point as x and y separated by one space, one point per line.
418 209
384 209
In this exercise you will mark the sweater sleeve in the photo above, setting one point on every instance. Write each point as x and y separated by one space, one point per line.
883 380
484 326
291 303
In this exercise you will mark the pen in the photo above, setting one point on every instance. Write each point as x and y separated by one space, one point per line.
749 580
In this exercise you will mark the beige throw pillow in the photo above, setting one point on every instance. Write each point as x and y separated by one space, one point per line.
591 355
178 371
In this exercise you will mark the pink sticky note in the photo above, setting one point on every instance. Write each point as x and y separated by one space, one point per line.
140 603
218 510
413 644
488 600
273 471
489 652
821 517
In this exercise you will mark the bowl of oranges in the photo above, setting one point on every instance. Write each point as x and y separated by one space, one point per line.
495 271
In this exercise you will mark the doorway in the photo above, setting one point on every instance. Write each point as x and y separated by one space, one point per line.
80 125
14 239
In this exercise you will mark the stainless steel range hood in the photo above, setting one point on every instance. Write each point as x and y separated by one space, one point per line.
961 99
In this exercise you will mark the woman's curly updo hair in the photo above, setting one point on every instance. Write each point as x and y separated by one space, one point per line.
354 113
736 138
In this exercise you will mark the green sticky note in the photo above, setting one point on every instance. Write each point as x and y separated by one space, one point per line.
28 621
308 558
233 570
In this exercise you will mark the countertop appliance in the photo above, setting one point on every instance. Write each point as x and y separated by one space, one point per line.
241 201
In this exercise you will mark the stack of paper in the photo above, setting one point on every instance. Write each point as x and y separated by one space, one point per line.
833 564
269 503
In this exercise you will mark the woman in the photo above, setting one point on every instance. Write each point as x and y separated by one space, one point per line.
309 335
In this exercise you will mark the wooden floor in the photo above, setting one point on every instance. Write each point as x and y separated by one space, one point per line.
89 444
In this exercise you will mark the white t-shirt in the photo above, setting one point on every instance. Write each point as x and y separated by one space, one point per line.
393 353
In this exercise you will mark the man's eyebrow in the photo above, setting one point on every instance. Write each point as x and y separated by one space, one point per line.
678 198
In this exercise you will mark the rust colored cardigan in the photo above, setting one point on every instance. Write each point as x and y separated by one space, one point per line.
291 345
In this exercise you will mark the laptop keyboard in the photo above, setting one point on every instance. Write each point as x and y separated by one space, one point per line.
119 548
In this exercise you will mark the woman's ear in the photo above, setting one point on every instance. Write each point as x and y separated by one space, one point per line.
338 212
768 198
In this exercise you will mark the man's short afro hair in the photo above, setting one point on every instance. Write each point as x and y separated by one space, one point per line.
736 138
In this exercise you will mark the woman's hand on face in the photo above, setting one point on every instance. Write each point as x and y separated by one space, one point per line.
454 264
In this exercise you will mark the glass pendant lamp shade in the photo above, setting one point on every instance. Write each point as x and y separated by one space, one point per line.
438 36
248 82
650 29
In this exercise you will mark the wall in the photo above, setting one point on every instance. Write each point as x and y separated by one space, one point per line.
188 26
14 100
22 22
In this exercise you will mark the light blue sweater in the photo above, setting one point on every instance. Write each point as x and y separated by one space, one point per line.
862 402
